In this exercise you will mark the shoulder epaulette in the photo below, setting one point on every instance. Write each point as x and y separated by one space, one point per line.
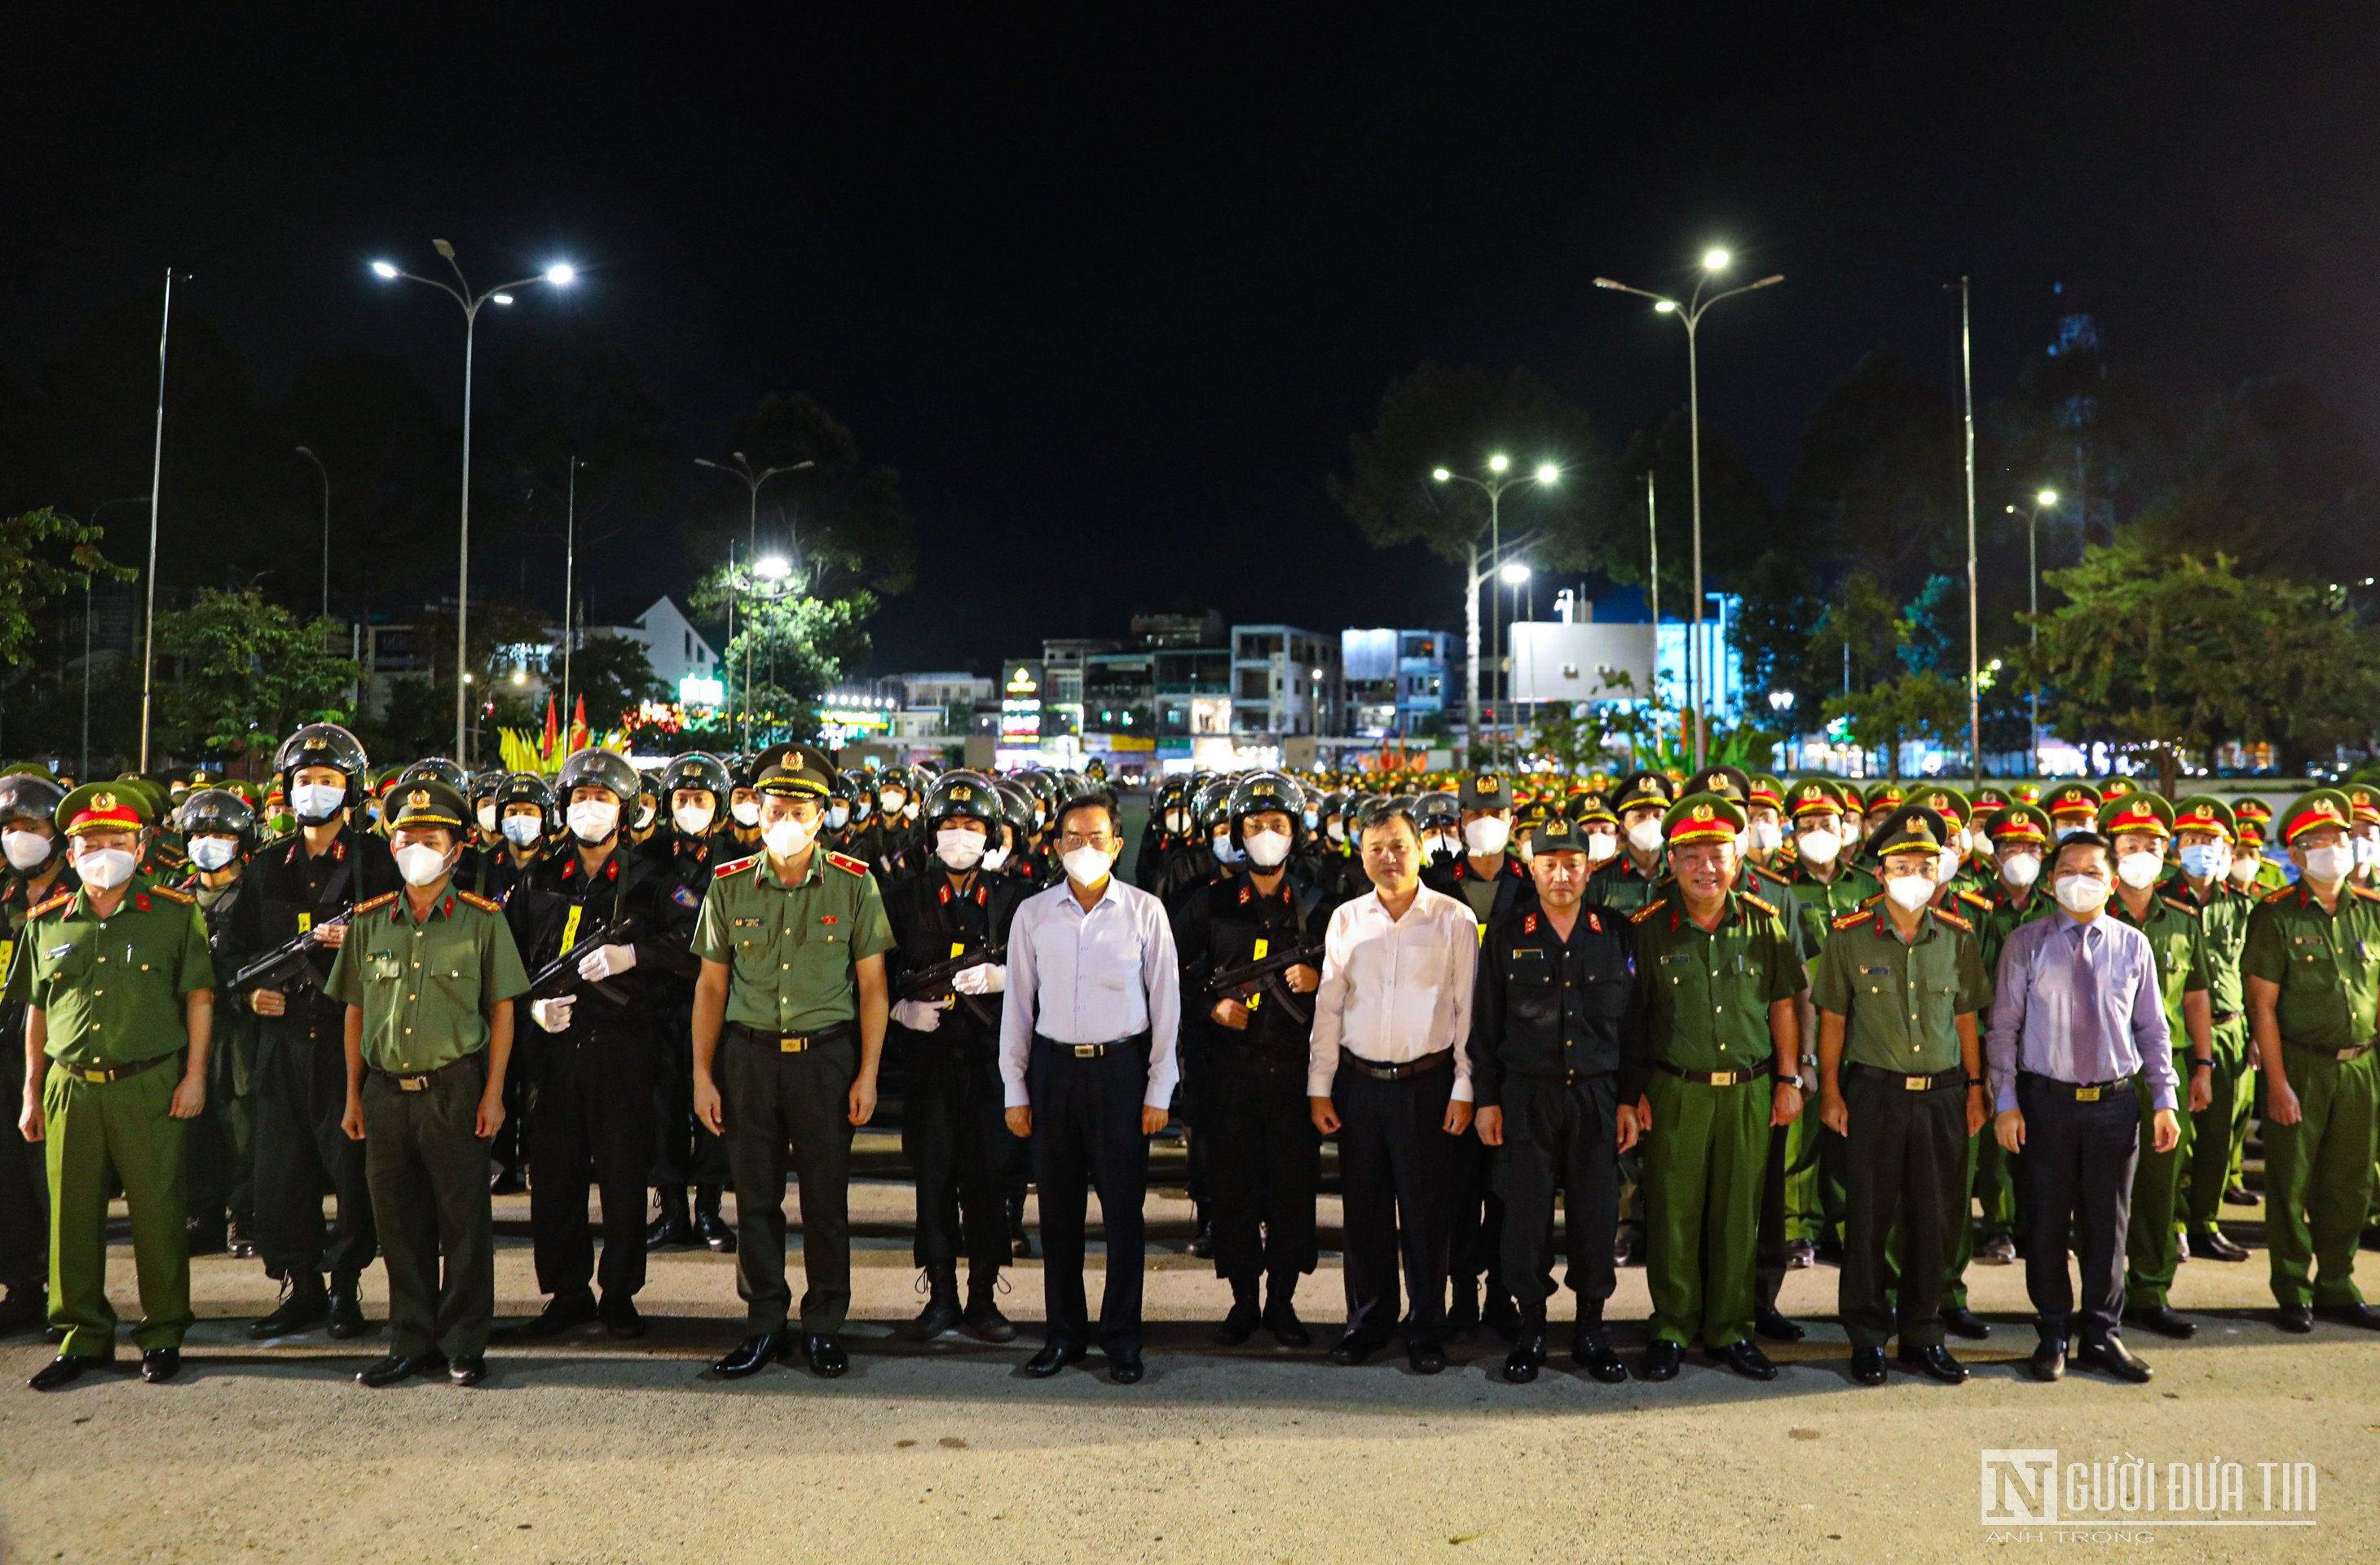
725 871
2282 895
170 894
2366 892
847 864
1850 920
1953 920
374 905
485 904
1649 909
1978 899
51 905
1871 902
1761 902
2181 906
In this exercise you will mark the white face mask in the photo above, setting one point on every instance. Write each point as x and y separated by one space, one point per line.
2082 895
106 868
787 837
2021 869
2242 871
1487 835
1766 837
2328 866
692 819
2367 850
1601 846
1266 849
2205 861
1177 820
1087 866
1819 846
421 864
996 858
1910 892
2140 870
1225 853
1644 836
959 849
1946 866
314 803
523 831
644 814
1335 829
591 820
27 851
891 799
909 811
859 808
746 811
487 814
211 853
838 815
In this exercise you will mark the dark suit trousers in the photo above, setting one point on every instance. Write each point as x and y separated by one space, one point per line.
1396 1171
1087 1132
2076 1171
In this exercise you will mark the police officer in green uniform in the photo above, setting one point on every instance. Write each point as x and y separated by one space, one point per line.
2138 824
428 976
2204 828
119 998
1901 1080
1625 883
2312 969
789 1017
34 870
1710 1016
1821 885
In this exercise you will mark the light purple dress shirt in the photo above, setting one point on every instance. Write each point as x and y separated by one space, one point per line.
1091 978
2078 1003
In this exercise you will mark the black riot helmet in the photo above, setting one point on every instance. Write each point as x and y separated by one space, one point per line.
696 770
28 796
323 744
594 768
523 788
1261 791
216 812
963 794
435 768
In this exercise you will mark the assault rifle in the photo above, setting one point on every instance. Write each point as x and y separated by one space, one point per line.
1268 974
932 984
289 965
560 976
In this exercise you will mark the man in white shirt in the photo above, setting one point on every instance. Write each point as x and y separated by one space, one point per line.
1390 1076
1087 1057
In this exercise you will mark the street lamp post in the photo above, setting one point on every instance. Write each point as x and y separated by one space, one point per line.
740 467
84 775
774 570
1515 574
1691 313
156 483
2042 501
569 583
560 276
1499 479
308 453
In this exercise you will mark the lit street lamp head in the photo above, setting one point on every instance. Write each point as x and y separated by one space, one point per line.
500 298
1715 260
1515 573
1440 474
1549 473
1665 306
1498 462
776 567
561 277
383 271
2046 497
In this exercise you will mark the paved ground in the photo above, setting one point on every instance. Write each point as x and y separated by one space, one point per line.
590 1452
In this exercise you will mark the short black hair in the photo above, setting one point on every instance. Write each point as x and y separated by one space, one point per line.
1089 798
2081 839
1385 813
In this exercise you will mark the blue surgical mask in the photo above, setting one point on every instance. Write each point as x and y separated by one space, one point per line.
211 853
523 831
2205 861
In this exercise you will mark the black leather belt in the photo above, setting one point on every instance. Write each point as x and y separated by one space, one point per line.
2360 1049
102 1075
1091 1051
794 1043
1718 1078
1379 1070
2223 1018
2082 1092
419 1081
1955 1077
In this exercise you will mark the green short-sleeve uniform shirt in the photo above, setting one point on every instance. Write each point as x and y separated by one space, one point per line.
112 988
1707 993
1902 1001
2177 940
425 987
2327 965
789 950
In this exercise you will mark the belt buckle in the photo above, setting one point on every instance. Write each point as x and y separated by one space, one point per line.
789 1045
2087 1094
97 1078
1726 1078
413 1083
1085 1050
1915 1084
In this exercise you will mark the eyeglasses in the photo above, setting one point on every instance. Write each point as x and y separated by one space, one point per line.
1073 840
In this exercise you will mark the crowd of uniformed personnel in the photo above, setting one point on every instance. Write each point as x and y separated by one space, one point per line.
1729 1026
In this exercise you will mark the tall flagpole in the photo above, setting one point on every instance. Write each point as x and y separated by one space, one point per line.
156 480
1974 690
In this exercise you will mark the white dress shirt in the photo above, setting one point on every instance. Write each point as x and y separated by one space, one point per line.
1394 990
1094 977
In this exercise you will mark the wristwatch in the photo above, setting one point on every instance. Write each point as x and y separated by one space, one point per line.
2198 1065
1793 1081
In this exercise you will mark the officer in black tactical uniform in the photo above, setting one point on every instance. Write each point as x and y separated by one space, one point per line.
219 1147
692 842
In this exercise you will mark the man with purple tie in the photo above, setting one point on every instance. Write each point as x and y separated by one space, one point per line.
2078 1028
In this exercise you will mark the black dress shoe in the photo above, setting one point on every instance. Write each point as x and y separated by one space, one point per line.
54 1335
2217 1246
2161 1320
674 1226
1202 1242
1502 1315
1281 1319
563 1312
2358 1314
1240 1324
1934 1362
1867 1366
2298 1318
828 1361
1356 1346
160 1364
709 1226
1592 1350
1744 1357
1055 1355
1960 1321
468 1370
620 1316
506 1182
1771 1323
753 1354
1801 1254
345 1317
399 1367
1124 1368
1627 1250
237 1242
2237 1195
1997 1249
304 1302
1528 1354
64 1371
2049 1359
1662 1360
1427 1356
2115 1358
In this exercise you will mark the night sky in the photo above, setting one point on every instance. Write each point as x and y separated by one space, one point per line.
1111 289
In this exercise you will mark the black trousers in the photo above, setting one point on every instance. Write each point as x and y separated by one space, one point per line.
1086 1131
684 1150
2076 1173
24 1175
1906 1158
1194 1109
428 1172
1476 1219
301 1096
1396 1168
1559 1136
1265 1168
1768 1244
591 1121
955 1133
790 1112
219 1150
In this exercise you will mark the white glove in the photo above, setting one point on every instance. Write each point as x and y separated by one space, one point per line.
553 1016
916 1015
989 978
606 962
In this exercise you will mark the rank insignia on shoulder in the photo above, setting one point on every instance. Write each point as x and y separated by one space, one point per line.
484 904
2181 906
2366 892
51 906
1761 902
849 865
1529 923
2283 895
1953 920
1649 909
375 905
1850 920
683 898
170 894
1977 898
1595 922
725 871
1246 896
1871 902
